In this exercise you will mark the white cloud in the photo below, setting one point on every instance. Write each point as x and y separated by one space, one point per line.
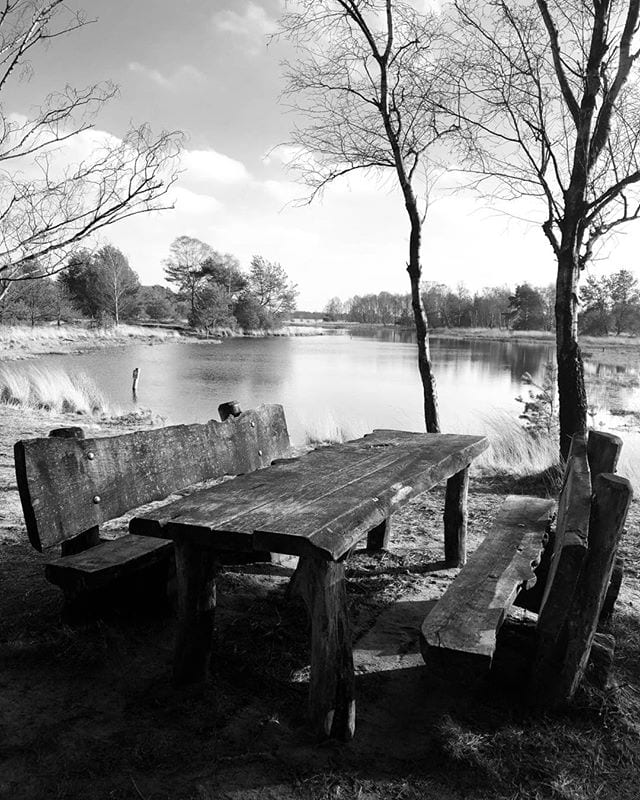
186 74
194 204
253 25
208 166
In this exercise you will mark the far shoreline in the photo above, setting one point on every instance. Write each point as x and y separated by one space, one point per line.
23 342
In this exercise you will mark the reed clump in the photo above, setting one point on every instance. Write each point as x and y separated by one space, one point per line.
52 389
514 449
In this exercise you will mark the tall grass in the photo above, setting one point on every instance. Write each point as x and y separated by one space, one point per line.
514 450
51 389
326 429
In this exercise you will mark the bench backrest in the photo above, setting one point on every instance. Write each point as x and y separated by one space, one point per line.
587 459
68 486
588 530
571 536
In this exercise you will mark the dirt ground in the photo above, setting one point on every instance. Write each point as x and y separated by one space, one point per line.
89 711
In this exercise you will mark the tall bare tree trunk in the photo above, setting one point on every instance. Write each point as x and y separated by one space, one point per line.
430 398
571 389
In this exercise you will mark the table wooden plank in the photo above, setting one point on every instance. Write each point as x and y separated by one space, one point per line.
232 507
321 504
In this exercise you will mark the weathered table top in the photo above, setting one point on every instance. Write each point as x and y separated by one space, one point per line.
320 504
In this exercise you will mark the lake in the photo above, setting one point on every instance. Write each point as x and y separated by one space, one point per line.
345 384
354 382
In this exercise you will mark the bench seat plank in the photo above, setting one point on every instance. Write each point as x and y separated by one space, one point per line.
101 564
461 629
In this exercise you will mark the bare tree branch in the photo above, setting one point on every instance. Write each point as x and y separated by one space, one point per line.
47 204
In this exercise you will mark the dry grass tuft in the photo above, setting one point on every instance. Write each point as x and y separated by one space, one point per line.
325 429
53 390
515 451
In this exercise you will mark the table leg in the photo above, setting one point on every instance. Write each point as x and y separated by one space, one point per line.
196 571
332 705
455 518
379 537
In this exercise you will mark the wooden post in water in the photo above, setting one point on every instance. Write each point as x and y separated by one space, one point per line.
134 386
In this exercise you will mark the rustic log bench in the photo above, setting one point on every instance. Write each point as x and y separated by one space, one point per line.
573 567
69 485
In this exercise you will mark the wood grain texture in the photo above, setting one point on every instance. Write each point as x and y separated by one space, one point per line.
320 505
68 486
455 518
99 565
603 452
612 497
461 629
569 547
90 537
614 590
332 705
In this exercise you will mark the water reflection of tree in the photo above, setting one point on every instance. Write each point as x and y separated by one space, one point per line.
491 355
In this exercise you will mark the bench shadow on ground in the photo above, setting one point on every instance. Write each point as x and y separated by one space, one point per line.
90 711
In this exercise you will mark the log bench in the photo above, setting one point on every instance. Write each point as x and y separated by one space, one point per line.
70 485
562 578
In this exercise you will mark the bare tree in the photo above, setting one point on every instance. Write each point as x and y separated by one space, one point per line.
47 206
185 267
117 284
363 86
550 113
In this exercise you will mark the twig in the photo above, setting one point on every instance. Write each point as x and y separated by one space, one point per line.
135 786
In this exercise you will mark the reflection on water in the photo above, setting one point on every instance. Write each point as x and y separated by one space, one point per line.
358 382
353 382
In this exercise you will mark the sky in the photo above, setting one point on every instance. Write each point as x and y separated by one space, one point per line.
206 68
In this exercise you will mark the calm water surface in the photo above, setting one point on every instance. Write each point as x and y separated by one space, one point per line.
353 382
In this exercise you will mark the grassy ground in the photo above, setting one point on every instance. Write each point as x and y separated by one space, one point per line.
17 342
89 712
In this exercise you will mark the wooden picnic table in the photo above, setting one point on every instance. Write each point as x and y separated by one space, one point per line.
318 507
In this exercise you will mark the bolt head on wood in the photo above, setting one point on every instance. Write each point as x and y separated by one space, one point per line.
96 498
91 456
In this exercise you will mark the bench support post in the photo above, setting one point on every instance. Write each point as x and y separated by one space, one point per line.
332 705
196 571
380 536
455 518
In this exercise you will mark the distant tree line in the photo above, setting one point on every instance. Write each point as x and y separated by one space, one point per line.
528 307
211 291
609 304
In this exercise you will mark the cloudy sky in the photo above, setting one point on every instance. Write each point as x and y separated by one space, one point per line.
205 68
